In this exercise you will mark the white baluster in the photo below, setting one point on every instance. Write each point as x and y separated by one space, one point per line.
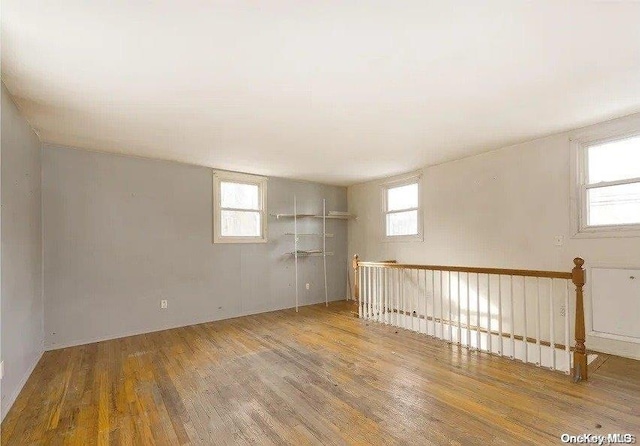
538 318
385 303
374 293
363 285
370 287
397 299
372 312
441 305
552 333
379 295
381 298
459 326
416 302
391 303
513 320
357 276
433 300
399 287
374 272
524 307
390 298
426 307
468 314
411 299
402 300
363 292
478 337
386 296
489 347
407 300
389 309
450 293
500 315
567 348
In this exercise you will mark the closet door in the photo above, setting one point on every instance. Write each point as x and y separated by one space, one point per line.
615 297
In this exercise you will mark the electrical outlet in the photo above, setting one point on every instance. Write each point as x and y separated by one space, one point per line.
558 240
163 304
563 311
307 286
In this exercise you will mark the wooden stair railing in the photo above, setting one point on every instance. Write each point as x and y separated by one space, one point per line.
577 276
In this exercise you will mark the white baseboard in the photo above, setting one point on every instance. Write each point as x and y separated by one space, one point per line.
614 337
206 319
6 406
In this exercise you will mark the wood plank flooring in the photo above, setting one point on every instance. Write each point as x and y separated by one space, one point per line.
317 377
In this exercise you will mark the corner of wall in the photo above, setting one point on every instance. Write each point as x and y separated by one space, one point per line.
21 184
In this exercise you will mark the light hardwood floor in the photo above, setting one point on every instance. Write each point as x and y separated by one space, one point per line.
317 377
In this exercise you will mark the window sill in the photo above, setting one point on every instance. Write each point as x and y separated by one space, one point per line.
403 238
608 232
228 240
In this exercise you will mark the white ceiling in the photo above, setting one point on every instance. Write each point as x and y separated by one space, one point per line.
331 91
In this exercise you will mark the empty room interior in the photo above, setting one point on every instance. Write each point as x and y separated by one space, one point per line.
279 222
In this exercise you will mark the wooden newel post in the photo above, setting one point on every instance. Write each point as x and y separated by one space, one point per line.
580 351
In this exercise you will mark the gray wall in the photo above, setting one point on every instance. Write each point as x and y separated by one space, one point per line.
22 307
123 233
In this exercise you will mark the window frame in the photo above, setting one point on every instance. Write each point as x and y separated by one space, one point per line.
232 177
601 134
405 180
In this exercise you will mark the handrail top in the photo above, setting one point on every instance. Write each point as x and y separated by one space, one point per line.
470 269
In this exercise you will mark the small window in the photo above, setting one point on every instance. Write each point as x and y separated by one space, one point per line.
401 210
611 184
610 189
239 208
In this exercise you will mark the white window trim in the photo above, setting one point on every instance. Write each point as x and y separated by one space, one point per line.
580 141
261 182
403 180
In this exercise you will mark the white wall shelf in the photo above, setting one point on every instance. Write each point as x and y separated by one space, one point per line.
332 217
311 253
309 234
323 235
